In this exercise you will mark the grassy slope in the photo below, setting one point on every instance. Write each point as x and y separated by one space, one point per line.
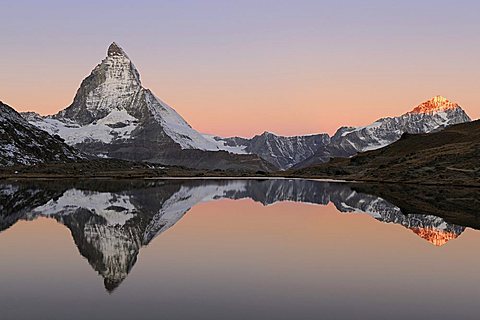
112 168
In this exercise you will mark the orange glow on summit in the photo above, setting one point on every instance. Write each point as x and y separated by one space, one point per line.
436 237
437 103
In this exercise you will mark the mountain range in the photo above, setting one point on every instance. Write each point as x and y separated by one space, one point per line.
430 116
113 116
303 151
449 156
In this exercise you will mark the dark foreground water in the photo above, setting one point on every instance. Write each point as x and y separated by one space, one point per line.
237 249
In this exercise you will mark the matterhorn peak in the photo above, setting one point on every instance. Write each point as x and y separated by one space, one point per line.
115 50
436 104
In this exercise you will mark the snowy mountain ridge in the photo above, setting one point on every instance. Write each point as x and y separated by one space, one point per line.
432 115
300 151
282 151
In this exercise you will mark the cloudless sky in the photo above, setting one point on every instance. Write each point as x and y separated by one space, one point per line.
243 67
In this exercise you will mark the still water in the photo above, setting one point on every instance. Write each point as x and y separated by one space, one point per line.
237 249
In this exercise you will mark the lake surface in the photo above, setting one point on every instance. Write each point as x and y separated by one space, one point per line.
237 249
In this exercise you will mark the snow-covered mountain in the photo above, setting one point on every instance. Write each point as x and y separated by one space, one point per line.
23 143
113 115
432 115
281 151
302 151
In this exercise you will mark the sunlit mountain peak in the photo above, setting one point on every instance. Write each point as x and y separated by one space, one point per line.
436 104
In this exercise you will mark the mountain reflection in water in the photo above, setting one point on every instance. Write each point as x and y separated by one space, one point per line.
111 220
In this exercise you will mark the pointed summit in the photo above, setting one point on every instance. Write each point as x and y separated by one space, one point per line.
115 50
436 104
268 133
114 84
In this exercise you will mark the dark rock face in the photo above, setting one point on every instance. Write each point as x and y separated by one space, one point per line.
115 50
281 151
23 143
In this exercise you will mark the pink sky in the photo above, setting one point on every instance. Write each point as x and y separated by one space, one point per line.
234 69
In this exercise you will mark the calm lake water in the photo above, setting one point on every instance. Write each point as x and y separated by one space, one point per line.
237 249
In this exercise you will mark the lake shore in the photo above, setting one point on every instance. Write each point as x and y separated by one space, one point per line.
54 173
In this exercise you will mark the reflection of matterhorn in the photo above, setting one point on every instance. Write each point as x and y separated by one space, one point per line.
109 228
111 222
103 228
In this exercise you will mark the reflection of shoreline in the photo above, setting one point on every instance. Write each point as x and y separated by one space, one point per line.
110 221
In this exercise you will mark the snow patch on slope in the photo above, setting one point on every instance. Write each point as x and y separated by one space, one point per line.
241 149
118 124
179 130
116 209
184 199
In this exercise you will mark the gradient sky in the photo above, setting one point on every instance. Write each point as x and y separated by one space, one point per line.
243 67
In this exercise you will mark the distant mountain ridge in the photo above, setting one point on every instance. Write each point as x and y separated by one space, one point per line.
303 151
430 116
448 157
281 151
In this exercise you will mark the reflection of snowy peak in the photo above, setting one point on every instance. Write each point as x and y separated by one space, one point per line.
110 249
100 226
433 229
174 208
111 223
113 115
